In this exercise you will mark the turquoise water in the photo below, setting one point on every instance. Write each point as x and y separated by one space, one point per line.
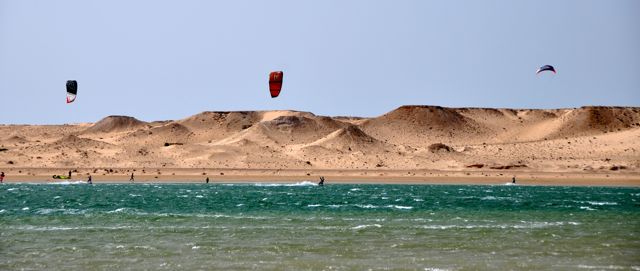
306 227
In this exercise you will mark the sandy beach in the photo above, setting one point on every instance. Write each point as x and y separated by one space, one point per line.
332 176
411 144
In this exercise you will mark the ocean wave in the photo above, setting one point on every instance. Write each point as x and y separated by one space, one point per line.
125 211
367 206
526 225
399 207
68 182
602 267
598 202
47 211
59 228
360 227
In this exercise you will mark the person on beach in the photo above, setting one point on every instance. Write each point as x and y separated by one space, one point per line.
321 183
2 177
131 179
207 180
513 180
69 174
89 180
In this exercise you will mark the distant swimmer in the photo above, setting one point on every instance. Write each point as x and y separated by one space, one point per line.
513 180
207 180
131 179
321 183
89 180
2 177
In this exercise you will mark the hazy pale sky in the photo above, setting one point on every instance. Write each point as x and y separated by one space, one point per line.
158 60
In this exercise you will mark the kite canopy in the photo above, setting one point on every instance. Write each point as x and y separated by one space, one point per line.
275 83
546 68
72 90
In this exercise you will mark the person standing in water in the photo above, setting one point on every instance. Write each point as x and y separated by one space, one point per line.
89 180
513 180
321 183
131 179
2 177
207 180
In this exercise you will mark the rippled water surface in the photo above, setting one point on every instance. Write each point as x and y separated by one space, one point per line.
305 227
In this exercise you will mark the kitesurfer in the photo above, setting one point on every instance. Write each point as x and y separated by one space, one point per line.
72 90
321 183
275 83
546 68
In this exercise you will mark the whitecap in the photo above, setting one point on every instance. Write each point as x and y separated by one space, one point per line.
602 203
314 205
119 210
359 227
25 208
367 206
12 189
587 208
400 207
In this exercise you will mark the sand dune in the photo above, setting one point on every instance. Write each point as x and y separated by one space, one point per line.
112 124
412 138
350 138
422 125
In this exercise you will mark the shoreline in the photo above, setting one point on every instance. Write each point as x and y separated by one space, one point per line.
340 176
